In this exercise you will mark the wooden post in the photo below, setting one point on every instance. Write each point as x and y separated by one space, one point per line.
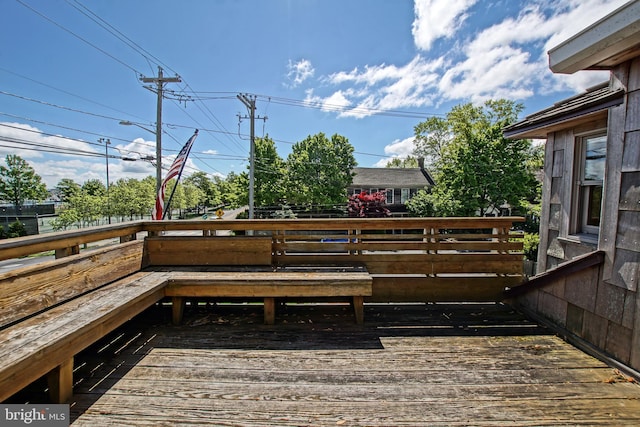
65 252
269 310
177 310
60 381
358 309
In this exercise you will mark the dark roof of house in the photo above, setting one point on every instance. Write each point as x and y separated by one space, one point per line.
594 101
391 178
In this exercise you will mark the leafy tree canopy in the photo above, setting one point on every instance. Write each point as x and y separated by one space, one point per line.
320 170
67 188
269 177
19 182
408 162
476 169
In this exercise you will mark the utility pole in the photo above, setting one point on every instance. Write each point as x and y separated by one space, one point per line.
159 81
106 143
250 102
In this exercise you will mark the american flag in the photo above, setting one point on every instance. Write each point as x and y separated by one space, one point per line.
175 170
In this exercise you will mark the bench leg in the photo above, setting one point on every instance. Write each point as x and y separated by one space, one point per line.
358 309
177 309
60 381
269 310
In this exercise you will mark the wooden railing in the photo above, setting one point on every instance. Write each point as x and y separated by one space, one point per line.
410 259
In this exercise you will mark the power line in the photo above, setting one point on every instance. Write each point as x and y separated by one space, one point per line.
62 27
65 92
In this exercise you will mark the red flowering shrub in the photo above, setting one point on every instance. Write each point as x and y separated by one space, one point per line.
365 205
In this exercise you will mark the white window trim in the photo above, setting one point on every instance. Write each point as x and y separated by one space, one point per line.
579 228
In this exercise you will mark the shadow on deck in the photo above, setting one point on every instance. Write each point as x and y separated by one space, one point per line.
410 364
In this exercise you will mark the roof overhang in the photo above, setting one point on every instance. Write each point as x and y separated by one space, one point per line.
603 45
571 112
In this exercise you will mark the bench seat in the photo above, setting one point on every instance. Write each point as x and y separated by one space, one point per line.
48 341
269 285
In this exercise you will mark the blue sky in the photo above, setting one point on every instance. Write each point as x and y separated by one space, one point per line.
369 70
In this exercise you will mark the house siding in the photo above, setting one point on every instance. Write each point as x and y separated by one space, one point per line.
600 304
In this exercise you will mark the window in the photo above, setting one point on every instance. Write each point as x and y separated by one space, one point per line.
389 194
592 155
404 195
357 191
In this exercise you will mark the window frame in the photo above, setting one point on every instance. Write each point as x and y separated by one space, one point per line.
583 187
405 195
389 196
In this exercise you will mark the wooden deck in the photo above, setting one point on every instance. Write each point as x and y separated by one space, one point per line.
409 365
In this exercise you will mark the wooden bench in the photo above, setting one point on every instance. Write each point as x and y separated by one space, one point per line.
51 311
269 285
192 253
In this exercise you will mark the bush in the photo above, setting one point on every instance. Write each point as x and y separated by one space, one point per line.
365 205
531 242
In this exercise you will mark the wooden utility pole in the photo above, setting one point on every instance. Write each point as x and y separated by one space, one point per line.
250 102
159 81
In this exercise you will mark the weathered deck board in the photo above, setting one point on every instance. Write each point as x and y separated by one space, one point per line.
409 365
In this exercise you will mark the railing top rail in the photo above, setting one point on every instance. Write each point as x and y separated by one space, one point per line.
21 246
333 223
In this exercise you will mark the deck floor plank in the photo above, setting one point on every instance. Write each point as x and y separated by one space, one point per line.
409 365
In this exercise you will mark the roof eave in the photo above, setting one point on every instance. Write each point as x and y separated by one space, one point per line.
600 45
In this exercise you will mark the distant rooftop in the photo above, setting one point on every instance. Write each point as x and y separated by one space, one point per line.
391 178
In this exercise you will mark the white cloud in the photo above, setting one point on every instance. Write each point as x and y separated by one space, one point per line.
397 149
381 87
298 72
29 142
505 60
435 19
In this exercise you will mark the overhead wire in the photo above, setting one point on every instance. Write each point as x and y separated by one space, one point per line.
62 27
227 95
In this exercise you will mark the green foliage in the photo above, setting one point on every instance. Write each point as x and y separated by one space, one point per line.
284 213
421 204
19 182
431 137
234 190
94 187
319 170
531 241
67 188
269 177
131 198
409 162
207 186
66 218
14 229
476 169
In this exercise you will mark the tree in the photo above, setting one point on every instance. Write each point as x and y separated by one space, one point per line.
431 137
67 188
94 187
211 191
409 162
476 168
319 170
132 197
269 176
19 182
234 189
